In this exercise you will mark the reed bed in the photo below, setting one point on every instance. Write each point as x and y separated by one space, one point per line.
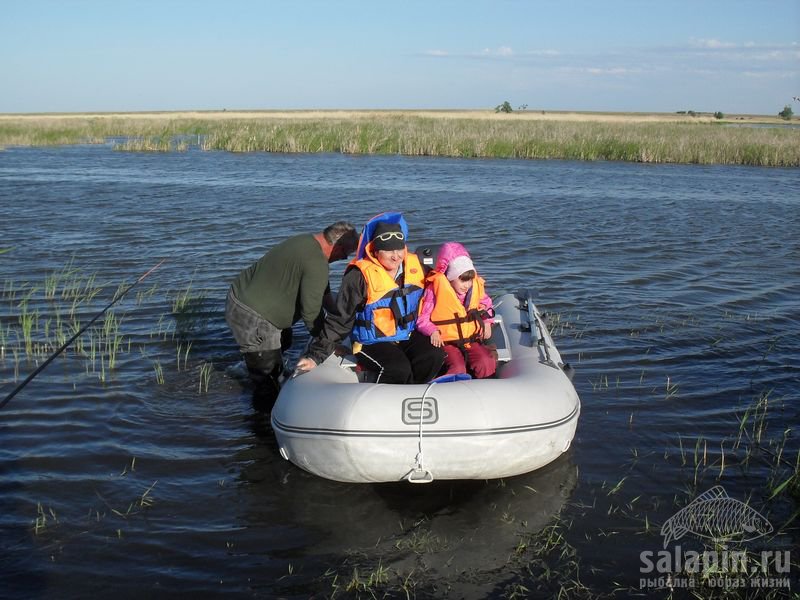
696 143
636 140
39 318
44 317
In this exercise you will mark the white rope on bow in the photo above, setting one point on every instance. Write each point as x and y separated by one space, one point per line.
419 474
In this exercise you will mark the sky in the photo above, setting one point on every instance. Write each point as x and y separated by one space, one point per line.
733 56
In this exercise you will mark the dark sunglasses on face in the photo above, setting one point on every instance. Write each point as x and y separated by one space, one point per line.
385 237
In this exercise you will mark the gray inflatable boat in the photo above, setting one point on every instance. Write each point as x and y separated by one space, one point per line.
333 424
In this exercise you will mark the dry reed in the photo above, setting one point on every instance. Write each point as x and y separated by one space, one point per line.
673 140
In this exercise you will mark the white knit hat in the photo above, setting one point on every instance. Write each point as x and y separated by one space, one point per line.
458 266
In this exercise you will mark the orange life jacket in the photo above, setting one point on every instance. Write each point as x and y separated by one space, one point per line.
456 322
390 312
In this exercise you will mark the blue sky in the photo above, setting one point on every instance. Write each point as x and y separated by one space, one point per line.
735 56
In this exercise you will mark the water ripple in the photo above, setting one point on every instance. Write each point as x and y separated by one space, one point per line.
673 291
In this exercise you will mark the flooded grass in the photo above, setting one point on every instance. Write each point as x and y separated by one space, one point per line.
206 370
161 143
667 141
42 317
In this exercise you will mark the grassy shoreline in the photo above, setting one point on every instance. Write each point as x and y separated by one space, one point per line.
632 137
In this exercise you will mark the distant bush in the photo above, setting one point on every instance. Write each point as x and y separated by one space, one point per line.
786 113
719 115
505 107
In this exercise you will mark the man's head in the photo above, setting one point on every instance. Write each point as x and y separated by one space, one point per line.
388 245
343 239
388 236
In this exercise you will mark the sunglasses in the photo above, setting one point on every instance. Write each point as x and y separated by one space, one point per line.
385 237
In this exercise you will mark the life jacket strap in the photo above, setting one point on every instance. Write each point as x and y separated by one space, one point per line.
474 315
367 324
401 320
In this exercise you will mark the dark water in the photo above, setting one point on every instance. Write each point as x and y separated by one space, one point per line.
673 290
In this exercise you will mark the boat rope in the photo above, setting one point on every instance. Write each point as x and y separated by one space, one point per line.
418 473
66 344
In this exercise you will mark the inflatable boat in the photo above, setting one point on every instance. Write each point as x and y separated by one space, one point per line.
335 424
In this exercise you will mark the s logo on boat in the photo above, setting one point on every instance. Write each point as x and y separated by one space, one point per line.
413 408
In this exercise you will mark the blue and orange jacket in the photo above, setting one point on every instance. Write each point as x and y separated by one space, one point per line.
390 312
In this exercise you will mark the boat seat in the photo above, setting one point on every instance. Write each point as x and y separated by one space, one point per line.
348 361
500 339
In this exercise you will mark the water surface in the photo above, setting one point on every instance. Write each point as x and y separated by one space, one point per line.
673 291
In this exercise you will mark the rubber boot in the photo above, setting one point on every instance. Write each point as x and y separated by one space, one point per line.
264 368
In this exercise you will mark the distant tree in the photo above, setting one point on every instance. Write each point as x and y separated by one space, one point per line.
505 107
719 115
523 107
786 113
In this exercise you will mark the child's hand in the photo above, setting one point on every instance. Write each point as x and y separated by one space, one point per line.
436 339
487 331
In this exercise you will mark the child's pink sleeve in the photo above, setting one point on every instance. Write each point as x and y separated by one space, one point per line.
424 325
486 302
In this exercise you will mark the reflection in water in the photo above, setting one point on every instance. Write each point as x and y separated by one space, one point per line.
447 531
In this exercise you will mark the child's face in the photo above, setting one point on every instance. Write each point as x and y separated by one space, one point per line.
461 286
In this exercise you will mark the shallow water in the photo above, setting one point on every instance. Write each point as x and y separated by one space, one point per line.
673 290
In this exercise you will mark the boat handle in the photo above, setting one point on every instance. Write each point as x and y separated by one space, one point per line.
541 339
536 322
536 328
420 476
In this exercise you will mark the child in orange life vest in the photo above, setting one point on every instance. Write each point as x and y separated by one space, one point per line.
450 313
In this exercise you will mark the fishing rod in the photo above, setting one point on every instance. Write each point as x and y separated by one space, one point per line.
66 344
